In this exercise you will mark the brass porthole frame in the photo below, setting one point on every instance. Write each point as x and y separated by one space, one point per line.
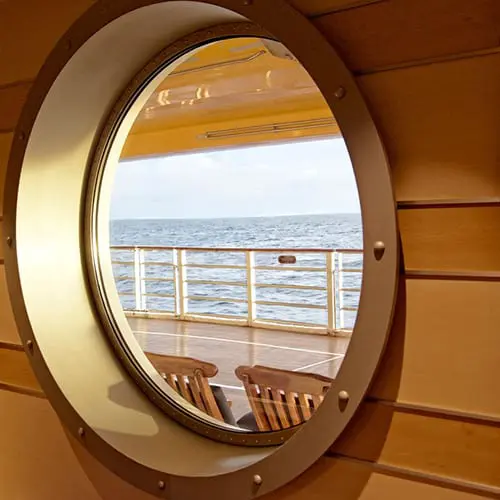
47 266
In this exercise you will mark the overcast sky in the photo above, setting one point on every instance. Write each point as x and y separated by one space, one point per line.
312 177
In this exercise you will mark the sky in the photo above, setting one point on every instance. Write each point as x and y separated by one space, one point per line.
313 177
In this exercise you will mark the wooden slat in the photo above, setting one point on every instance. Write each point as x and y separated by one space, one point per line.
397 31
292 408
8 328
257 407
170 380
322 7
280 409
440 126
304 406
208 398
440 446
461 239
347 480
184 390
15 370
12 100
25 45
195 391
268 404
444 348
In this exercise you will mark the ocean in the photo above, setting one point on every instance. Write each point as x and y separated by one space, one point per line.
305 231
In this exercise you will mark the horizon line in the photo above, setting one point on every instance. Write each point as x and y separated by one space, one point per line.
233 217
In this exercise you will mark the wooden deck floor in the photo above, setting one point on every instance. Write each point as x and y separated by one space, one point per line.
231 346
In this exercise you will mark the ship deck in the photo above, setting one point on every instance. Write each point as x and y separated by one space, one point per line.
231 346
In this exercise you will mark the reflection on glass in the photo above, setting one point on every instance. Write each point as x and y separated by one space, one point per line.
246 313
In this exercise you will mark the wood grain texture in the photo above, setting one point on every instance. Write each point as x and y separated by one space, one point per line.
438 446
319 7
8 328
345 480
25 42
444 348
440 127
461 239
398 31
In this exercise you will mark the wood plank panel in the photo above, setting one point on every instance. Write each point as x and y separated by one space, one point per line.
441 127
318 7
37 462
463 239
5 142
444 349
337 478
397 31
24 44
12 100
439 446
8 327
16 371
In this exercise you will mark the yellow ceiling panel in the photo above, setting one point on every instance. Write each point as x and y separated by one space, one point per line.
231 85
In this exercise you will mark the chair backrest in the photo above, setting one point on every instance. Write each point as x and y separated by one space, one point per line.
189 377
281 398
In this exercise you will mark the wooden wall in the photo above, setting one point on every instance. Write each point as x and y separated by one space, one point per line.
430 71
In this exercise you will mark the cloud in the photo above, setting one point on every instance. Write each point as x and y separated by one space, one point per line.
309 177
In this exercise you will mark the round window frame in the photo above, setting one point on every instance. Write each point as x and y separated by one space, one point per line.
221 471
102 176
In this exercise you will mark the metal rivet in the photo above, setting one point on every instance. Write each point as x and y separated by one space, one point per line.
29 346
340 93
9 241
343 396
379 249
247 2
22 136
161 485
81 432
257 480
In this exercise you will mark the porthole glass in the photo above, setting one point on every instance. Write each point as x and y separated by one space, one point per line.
236 238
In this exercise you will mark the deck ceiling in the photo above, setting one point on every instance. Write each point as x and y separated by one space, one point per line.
233 92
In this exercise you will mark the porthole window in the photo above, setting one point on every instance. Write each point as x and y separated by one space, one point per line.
183 354
236 241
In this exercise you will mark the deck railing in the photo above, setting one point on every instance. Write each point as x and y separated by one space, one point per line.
155 281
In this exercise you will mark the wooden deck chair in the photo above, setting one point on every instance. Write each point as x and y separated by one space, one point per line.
189 378
280 398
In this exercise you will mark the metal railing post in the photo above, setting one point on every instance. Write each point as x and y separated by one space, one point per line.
142 262
330 287
180 285
340 282
250 261
139 282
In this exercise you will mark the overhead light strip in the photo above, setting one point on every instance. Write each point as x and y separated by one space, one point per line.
271 128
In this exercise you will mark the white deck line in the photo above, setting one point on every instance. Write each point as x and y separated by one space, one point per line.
316 364
199 337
